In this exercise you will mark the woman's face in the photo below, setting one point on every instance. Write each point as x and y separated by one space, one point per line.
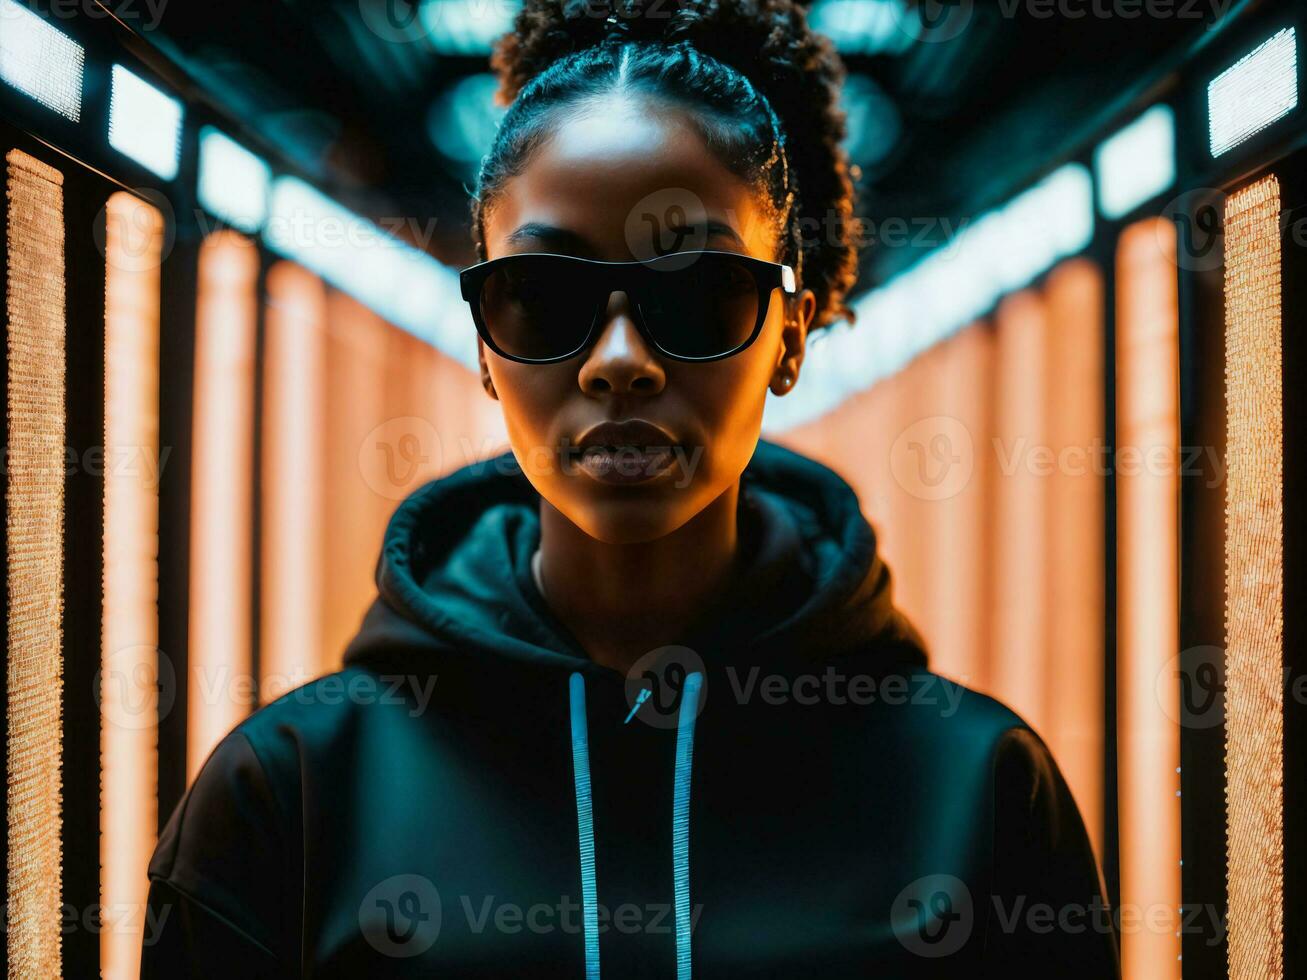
620 184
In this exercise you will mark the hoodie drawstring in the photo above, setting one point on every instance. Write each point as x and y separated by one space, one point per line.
585 825
680 821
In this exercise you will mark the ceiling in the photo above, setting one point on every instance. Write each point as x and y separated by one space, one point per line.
954 116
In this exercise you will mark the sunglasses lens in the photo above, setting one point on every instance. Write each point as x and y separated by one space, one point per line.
536 307
704 309
540 307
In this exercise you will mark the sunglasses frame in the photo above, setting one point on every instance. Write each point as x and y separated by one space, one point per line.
616 276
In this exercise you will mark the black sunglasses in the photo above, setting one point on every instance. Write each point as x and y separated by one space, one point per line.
541 307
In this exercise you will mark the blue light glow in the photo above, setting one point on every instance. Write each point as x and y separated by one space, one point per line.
1254 92
872 120
144 123
1003 250
467 27
398 282
1137 163
463 121
866 26
40 61
233 181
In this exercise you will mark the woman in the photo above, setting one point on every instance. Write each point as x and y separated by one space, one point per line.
634 698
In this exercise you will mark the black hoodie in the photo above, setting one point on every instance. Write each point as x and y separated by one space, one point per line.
789 792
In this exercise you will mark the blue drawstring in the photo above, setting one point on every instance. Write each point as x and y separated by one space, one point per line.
680 822
585 826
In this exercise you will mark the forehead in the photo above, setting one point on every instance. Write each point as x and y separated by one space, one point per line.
625 178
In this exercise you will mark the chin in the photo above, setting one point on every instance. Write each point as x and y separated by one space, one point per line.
625 517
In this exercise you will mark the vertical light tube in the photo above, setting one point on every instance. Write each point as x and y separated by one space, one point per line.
923 475
1075 595
1254 583
34 512
400 413
130 669
1148 630
1020 668
959 551
910 516
220 671
426 383
290 640
358 499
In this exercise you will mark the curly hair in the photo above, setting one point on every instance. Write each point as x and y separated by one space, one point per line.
759 86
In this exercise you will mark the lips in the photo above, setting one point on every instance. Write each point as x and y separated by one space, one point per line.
625 452
629 434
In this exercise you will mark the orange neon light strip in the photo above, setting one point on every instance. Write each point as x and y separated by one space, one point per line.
34 512
294 392
220 666
130 667
1254 584
1148 628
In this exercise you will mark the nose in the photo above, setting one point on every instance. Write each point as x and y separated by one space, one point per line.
621 361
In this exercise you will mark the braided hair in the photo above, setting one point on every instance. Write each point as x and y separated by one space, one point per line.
759 86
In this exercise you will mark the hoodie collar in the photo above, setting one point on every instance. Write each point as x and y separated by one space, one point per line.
455 587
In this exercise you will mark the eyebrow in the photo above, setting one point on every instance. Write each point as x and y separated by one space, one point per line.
570 242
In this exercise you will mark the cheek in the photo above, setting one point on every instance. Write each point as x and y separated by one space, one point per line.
730 396
731 393
530 398
727 400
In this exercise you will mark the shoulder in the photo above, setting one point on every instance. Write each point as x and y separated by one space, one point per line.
252 775
1013 746
319 714
952 710
230 793
963 705
1022 763
1040 852
965 731
237 825
222 869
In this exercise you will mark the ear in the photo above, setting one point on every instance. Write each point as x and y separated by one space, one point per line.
800 309
486 382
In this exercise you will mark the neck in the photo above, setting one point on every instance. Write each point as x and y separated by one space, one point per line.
622 600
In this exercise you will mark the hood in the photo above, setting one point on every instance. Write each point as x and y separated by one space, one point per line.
458 599
456 592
